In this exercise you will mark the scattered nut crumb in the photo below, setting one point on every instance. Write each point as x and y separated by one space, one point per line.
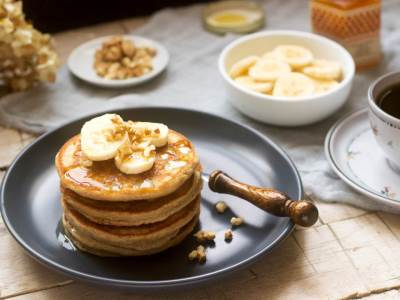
221 207
203 236
237 221
86 162
228 235
198 254
192 255
201 254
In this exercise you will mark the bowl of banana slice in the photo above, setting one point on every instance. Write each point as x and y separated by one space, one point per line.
286 78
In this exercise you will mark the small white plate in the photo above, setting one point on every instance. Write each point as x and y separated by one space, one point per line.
355 156
80 62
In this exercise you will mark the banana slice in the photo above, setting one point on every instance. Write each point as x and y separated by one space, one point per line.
293 85
323 86
155 133
295 56
270 55
324 69
102 136
241 67
268 69
135 163
250 83
135 159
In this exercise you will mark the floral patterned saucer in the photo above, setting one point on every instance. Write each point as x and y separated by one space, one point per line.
355 156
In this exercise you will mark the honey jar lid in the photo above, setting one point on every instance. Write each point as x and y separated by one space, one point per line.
240 16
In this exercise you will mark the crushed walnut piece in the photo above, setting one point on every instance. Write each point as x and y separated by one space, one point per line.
204 236
86 162
228 235
237 221
199 254
120 58
221 207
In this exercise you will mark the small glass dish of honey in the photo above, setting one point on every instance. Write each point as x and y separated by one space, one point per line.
233 16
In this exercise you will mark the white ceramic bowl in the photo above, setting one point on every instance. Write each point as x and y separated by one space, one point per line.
81 60
280 110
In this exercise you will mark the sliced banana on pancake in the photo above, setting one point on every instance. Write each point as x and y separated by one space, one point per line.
101 137
268 70
241 67
155 133
324 69
293 85
135 159
295 56
250 83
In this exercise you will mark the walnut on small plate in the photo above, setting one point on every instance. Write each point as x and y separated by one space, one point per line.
120 58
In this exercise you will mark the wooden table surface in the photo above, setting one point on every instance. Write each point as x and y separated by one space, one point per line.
350 253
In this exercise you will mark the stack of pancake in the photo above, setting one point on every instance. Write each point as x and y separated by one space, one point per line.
109 213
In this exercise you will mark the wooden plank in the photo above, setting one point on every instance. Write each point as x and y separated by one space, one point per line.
329 213
373 249
19 273
27 138
10 145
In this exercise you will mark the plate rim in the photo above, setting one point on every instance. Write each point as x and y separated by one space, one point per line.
119 83
147 284
335 166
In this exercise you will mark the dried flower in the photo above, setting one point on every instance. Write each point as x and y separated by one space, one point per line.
28 55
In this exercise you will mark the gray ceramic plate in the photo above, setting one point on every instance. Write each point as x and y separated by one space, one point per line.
31 209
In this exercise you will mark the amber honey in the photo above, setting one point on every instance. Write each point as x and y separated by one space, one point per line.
353 23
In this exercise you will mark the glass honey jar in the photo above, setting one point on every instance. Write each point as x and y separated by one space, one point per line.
353 23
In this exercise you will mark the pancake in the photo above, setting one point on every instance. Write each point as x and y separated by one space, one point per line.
174 164
141 237
138 212
92 246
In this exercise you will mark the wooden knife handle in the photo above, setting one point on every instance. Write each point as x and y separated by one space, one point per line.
301 212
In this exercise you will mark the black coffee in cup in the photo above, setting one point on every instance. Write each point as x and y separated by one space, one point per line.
389 100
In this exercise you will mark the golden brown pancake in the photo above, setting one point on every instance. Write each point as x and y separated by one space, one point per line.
103 249
138 212
175 163
141 237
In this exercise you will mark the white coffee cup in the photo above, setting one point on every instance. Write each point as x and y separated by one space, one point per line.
385 127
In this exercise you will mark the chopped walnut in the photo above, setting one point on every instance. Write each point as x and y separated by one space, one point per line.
236 221
86 162
201 254
198 254
119 59
228 235
221 207
203 236
192 255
